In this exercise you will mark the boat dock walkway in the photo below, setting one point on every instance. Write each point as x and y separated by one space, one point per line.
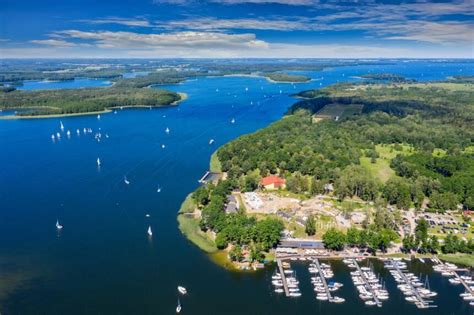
421 303
456 275
367 284
283 277
323 279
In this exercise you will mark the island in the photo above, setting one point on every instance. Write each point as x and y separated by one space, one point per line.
390 77
51 103
365 169
286 78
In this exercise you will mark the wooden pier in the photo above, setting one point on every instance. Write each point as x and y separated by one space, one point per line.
323 279
367 284
283 277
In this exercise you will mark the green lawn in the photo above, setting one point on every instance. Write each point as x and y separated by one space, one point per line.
462 259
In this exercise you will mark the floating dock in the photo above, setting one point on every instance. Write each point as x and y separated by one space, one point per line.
367 284
323 279
421 302
283 277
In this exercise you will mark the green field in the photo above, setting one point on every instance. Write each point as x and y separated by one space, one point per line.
381 168
333 110
462 259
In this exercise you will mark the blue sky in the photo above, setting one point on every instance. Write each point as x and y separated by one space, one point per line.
236 28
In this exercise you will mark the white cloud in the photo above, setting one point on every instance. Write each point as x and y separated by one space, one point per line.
213 45
119 21
137 41
53 42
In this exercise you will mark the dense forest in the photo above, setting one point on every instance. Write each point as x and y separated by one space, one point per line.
66 101
426 118
285 77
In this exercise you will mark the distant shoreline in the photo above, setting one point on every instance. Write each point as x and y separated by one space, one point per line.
183 96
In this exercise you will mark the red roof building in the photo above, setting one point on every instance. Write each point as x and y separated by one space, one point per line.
273 182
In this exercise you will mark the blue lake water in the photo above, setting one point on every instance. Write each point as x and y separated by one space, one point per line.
102 262
69 84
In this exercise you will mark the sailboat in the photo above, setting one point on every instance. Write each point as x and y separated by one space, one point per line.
53 137
211 141
68 133
61 125
78 132
126 181
232 121
58 226
246 89
163 146
158 190
149 232
98 161
98 116
178 308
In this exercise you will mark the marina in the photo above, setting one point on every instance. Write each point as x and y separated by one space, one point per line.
453 272
366 283
410 285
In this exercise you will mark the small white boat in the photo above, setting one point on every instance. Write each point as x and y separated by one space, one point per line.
217 90
211 141
147 215
421 260
98 161
98 116
78 132
149 232
232 121
246 89
167 130
178 308
158 190
68 133
163 146
58 135
295 294
53 137
182 290
279 290
58 226
61 125
126 181
370 303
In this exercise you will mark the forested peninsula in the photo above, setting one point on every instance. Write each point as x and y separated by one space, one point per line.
404 147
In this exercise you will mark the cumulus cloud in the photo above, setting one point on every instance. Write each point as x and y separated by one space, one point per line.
189 39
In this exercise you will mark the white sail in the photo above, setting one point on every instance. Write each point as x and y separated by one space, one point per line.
98 161
149 231
58 226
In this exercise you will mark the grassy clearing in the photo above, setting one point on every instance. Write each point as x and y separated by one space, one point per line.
215 164
461 259
189 226
333 110
381 168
